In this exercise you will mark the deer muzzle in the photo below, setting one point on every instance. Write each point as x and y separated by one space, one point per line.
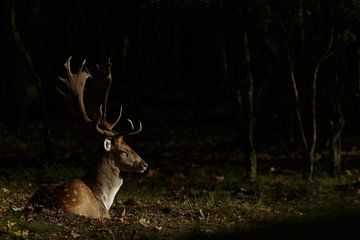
143 166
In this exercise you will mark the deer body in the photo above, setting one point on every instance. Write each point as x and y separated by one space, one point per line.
74 197
93 195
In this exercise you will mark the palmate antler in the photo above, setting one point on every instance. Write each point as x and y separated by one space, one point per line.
76 85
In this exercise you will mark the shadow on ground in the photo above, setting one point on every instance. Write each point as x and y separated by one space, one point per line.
334 227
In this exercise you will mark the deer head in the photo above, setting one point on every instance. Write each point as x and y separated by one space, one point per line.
114 145
93 195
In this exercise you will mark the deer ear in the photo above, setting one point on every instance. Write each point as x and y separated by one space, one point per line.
107 144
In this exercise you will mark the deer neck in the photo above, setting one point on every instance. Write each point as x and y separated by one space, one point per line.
104 180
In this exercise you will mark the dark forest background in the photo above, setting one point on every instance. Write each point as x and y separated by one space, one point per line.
212 81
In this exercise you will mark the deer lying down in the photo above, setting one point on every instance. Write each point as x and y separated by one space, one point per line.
93 195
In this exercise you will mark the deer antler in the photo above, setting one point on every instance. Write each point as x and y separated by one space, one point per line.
102 125
76 85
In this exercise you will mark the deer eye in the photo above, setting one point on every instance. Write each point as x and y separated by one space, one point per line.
107 144
124 154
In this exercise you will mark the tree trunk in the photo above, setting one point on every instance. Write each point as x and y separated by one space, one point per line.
337 125
48 145
250 153
335 149
220 40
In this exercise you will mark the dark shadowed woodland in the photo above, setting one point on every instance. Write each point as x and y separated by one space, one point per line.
250 114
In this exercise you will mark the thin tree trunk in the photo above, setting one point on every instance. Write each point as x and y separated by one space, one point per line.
310 156
358 56
337 125
335 144
296 99
249 112
48 146
219 28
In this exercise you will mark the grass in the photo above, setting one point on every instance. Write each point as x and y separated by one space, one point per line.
193 202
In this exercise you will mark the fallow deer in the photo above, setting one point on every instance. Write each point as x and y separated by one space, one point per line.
93 195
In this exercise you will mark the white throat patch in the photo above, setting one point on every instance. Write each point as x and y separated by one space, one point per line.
109 198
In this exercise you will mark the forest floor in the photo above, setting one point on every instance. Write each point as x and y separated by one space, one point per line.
200 195
195 188
191 201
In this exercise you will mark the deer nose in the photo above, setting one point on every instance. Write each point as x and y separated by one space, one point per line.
143 165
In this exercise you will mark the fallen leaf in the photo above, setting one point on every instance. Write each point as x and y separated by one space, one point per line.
158 228
144 222
75 235
17 209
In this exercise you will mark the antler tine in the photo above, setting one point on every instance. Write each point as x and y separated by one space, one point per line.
118 119
131 124
76 84
132 130
67 66
103 126
137 131
83 64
